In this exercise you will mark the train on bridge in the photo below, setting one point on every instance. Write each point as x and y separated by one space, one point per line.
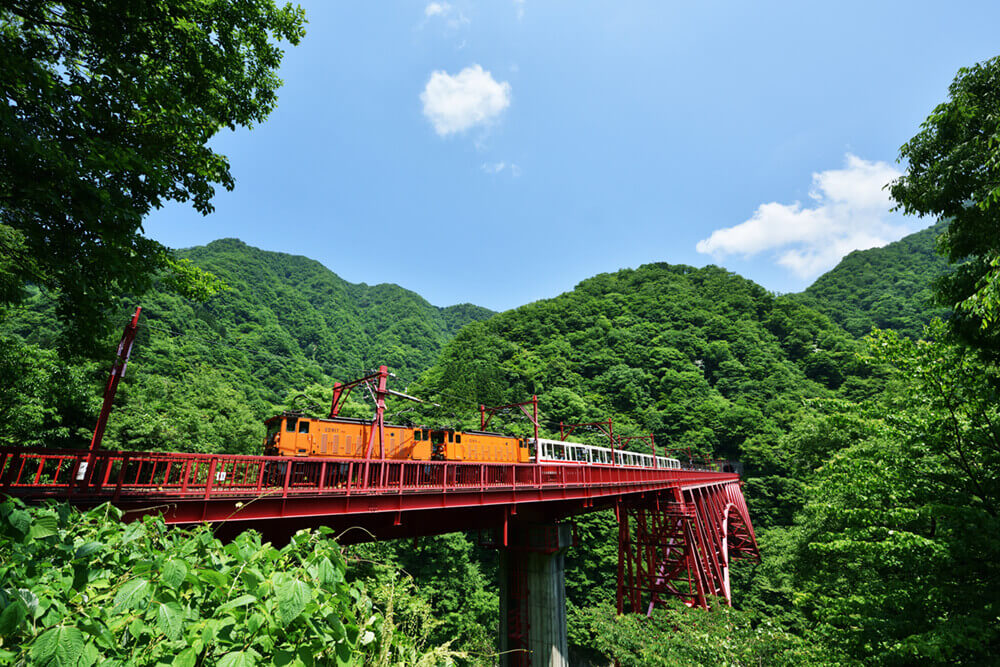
294 434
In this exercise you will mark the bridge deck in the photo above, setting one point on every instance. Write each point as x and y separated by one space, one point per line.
209 487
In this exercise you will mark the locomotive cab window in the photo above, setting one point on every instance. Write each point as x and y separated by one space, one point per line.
272 430
458 438
416 435
437 437
290 424
303 426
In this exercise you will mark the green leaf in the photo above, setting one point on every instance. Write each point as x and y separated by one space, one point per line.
90 656
326 572
88 549
238 659
186 658
237 602
133 531
292 598
214 578
282 658
44 526
173 573
338 629
21 520
343 653
58 646
12 617
131 594
170 619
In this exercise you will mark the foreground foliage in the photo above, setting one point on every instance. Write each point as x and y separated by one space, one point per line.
675 635
110 110
953 173
899 548
84 589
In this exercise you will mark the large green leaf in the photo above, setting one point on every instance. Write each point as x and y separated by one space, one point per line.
131 594
186 658
43 526
21 520
173 573
12 617
170 619
60 646
293 595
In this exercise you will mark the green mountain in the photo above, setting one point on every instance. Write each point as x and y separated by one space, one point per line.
203 375
701 357
887 287
298 308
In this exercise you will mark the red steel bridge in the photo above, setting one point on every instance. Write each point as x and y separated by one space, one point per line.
679 529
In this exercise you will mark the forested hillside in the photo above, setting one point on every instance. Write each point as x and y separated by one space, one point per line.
702 357
851 451
889 287
205 374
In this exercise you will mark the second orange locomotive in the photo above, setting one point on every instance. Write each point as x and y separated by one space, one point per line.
293 434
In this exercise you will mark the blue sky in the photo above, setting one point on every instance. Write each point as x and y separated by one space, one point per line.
499 153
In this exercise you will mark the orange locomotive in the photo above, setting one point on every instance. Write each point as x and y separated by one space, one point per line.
293 434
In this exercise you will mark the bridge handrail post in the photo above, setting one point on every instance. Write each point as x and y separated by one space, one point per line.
262 466
121 476
322 476
288 476
211 477
186 476
7 468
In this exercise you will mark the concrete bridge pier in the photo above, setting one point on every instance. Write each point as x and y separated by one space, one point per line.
533 593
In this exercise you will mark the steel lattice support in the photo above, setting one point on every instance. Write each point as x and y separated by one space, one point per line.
679 543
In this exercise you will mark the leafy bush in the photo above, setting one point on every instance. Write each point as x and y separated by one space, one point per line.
86 589
675 635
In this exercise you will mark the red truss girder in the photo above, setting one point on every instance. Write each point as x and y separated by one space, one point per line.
680 543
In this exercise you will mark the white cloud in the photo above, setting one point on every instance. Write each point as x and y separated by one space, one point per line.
437 9
497 167
453 18
849 211
493 168
470 98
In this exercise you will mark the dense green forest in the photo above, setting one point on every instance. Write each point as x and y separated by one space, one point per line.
205 374
872 456
889 287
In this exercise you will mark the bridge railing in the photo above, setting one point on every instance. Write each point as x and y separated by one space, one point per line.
109 475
